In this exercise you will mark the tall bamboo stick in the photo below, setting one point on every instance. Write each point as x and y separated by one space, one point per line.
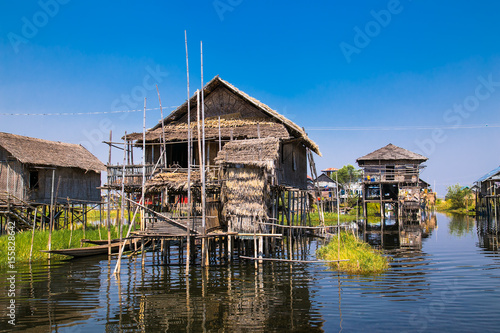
143 164
203 184
122 211
164 146
188 230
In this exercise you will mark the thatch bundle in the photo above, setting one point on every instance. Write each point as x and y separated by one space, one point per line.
257 152
175 181
243 193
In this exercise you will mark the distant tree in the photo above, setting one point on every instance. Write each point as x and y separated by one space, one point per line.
458 196
347 175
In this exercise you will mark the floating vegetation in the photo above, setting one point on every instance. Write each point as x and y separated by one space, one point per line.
363 259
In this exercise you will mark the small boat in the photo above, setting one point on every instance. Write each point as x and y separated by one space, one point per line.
88 251
99 242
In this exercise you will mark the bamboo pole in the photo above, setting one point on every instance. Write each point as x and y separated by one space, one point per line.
72 221
338 218
118 262
164 153
188 229
143 164
203 181
51 211
122 220
108 205
200 159
33 235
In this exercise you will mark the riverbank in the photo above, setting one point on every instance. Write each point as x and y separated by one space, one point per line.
333 218
445 206
363 259
61 239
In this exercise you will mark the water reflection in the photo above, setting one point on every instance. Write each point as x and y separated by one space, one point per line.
460 225
161 298
394 235
488 233
439 280
406 280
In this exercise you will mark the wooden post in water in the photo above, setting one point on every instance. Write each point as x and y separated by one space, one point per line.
51 221
33 234
108 203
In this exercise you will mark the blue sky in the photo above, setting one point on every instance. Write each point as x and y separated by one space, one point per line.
357 75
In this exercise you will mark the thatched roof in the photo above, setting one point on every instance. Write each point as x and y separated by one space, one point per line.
257 152
240 129
273 119
391 153
49 153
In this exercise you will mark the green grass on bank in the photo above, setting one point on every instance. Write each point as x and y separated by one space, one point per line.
363 259
60 240
332 218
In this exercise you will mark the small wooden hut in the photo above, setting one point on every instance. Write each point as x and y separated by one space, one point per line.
392 178
488 194
36 172
27 167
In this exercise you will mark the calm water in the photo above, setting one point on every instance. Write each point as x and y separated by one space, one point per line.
447 280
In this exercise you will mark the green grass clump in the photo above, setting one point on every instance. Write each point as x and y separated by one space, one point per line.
60 240
332 218
363 259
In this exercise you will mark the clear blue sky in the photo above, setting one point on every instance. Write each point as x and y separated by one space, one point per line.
423 75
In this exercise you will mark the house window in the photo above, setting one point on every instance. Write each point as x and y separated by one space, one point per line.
33 180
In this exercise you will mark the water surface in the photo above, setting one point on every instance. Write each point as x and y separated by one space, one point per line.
444 276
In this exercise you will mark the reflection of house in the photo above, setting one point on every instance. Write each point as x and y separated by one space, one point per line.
488 194
253 154
27 166
391 177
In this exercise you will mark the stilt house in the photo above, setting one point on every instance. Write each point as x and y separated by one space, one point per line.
253 155
488 194
29 167
392 178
